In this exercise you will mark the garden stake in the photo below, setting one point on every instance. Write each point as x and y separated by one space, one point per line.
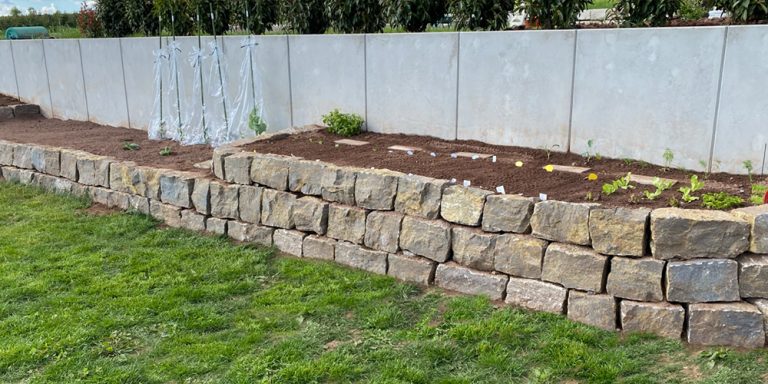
762 169
202 88
250 54
160 38
218 66
176 75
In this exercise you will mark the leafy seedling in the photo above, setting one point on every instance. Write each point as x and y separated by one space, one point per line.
344 124
588 154
166 151
748 166
128 146
622 183
721 200
668 157
660 185
549 150
255 122
688 191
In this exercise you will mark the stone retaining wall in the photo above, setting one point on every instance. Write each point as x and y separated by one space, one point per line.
12 111
698 274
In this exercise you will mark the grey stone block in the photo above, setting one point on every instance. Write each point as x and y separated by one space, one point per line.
454 277
270 171
289 241
619 231
306 177
6 152
68 163
595 310
22 156
690 233
103 196
536 295
519 255
753 276
358 257
201 196
249 203
473 248
507 213
26 110
93 170
662 319
698 281
310 214
192 220
757 217
412 269
219 156
428 238
316 247
224 200
176 188
346 223
169 214
382 231
250 233
46 160
574 266
561 221
463 205
277 208
338 184
237 168
216 225
636 279
419 196
6 113
733 324
376 189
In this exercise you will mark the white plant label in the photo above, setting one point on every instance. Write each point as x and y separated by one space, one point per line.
475 157
453 180
410 153
500 189
467 183
453 156
433 154
543 196
493 159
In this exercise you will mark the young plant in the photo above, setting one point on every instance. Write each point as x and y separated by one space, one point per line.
748 166
549 150
688 191
255 122
721 200
660 185
344 124
668 157
588 154
129 146
166 151
622 183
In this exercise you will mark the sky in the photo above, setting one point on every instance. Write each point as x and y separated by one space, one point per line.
42 6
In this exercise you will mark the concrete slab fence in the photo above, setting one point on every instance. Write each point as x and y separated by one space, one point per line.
698 91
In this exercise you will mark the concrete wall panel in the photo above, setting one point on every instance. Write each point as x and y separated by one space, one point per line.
412 83
66 79
103 69
7 76
640 91
31 73
515 88
138 63
327 72
742 130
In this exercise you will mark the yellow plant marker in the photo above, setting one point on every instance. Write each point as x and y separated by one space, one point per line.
519 164
591 177
549 167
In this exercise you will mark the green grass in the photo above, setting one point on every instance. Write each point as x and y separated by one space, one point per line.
117 299
597 4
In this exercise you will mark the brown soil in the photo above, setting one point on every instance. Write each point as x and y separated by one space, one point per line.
103 140
8 100
530 180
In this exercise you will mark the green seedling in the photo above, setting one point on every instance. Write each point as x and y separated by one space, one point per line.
549 150
166 151
128 146
660 185
255 122
720 200
688 191
668 157
620 183
748 166
588 154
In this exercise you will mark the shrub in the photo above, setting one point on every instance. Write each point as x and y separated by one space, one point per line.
645 13
555 14
304 16
183 13
720 200
481 14
344 124
111 15
356 16
87 22
744 10
262 15
415 15
692 10
222 11
139 16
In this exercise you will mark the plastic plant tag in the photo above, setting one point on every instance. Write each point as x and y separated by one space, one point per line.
453 156
493 159
410 153
500 189
592 177
519 164
467 183
543 196
475 157
433 154
453 180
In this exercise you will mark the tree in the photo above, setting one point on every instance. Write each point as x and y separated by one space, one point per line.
356 16
222 11
481 14
304 16
555 14
415 15
111 15
183 16
140 18
262 15
87 22
15 12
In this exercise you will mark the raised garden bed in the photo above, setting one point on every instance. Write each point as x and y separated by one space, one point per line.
518 170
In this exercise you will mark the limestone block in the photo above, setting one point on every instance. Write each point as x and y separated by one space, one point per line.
277 208
103 196
691 233
358 257
250 233
216 226
698 281
561 221
224 200
636 279
662 319
428 238
201 196
93 170
382 231
412 269
306 177
270 171
169 214
338 184
519 255
249 203
463 205
192 220
734 324
419 196
6 152
219 156
346 223
176 188
574 266
68 163
376 189
22 156
454 277
310 214
289 241
619 231
237 168
757 217
753 276
46 160
473 248
536 295
507 213
595 310
316 247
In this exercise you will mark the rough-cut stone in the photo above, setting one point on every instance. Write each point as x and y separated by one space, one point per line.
574 266
121 176
473 248
753 276
224 200
270 171
277 208
663 319
119 200
690 233
169 214
201 196
6 113
216 226
250 233
237 168
93 170
595 310
454 277
249 203
419 196
619 231
289 241
734 324
358 257
176 188
428 238
103 196
219 156
138 203
382 231
22 156
310 214
636 279
68 163
519 255
536 295
338 184
346 223
6 152
192 220
757 217
316 247
146 182
561 221
463 205
306 177
26 110
46 160
699 281
376 189
762 306
413 269
507 213
25 176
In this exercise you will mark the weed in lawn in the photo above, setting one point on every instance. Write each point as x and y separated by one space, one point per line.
720 200
660 185
129 146
688 191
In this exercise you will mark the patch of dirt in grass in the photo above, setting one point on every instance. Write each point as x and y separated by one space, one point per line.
100 210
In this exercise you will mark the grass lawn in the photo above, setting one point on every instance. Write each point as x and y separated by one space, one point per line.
115 298
597 4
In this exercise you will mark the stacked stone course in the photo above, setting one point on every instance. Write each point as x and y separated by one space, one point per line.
698 274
